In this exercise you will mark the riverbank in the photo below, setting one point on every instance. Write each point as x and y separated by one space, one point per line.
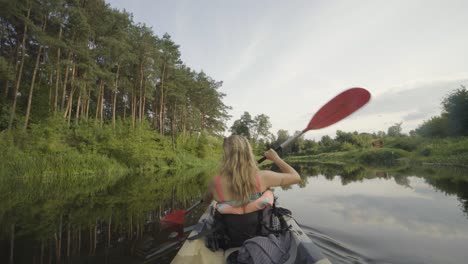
412 150
51 148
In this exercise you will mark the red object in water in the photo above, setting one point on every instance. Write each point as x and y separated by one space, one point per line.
177 217
174 218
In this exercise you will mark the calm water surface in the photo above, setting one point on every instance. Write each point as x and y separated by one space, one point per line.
380 220
354 214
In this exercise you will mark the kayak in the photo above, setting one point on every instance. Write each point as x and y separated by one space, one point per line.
302 249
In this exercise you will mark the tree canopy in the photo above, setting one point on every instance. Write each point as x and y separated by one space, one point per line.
87 61
453 120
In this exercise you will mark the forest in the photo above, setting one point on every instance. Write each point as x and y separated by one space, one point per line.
82 84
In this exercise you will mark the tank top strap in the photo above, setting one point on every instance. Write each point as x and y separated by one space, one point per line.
259 187
218 188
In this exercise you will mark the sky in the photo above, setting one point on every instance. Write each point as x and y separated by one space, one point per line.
286 59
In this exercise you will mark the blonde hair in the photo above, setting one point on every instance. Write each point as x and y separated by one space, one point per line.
239 167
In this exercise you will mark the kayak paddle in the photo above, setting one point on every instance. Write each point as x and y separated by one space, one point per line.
177 217
338 108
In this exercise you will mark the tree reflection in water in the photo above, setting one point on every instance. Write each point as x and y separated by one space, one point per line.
93 219
448 179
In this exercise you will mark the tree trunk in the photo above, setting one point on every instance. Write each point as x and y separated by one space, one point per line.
42 252
98 100
58 241
51 74
124 106
90 240
20 73
155 116
109 230
33 81
174 125
184 125
130 234
78 105
14 59
95 237
87 104
141 93
31 88
114 99
163 108
12 243
68 239
79 240
68 110
134 105
161 103
57 72
67 70
144 100
102 104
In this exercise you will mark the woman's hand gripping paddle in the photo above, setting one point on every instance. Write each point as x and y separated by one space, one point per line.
338 108
335 110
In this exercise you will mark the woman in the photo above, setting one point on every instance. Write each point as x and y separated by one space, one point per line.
242 190
240 182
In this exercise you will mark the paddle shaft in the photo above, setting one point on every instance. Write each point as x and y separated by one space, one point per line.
284 144
193 206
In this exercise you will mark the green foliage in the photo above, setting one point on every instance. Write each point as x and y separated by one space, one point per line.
395 130
346 146
255 129
404 142
426 151
327 144
136 147
51 148
454 119
243 126
383 156
434 127
456 108
261 127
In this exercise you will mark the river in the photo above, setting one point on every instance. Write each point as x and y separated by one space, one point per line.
354 214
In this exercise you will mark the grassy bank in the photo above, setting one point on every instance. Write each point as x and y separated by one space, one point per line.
415 150
51 148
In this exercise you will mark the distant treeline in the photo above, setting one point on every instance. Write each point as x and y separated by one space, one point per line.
85 61
439 139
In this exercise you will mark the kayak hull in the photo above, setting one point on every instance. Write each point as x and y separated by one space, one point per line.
303 250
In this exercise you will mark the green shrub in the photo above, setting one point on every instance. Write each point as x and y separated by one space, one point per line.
404 143
426 151
383 156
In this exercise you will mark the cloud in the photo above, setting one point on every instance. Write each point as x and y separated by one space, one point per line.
410 104
421 113
421 97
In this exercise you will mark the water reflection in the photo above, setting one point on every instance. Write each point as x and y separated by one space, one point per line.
396 215
98 219
354 213
449 180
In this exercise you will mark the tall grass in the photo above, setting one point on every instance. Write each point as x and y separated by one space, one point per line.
51 148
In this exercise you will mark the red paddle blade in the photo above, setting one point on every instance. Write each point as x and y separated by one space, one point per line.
174 218
339 108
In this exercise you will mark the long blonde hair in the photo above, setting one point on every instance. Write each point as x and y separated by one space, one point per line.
239 167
